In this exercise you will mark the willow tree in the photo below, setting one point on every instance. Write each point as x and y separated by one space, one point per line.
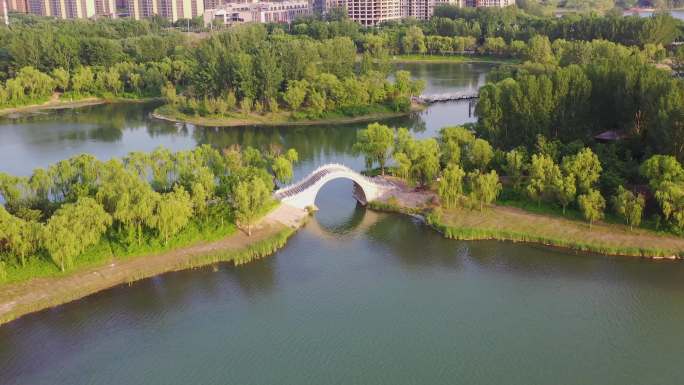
19 238
375 143
172 212
451 185
484 188
630 206
592 205
73 228
250 198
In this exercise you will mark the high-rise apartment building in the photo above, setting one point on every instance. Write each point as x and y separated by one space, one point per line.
67 9
17 6
373 12
4 11
489 3
105 8
365 12
258 12
169 9
62 9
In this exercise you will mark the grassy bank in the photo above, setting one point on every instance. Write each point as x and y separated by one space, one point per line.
236 119
512 221
65 102
452 59
30 295
517 225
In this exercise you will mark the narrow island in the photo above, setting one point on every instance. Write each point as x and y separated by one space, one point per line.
82 225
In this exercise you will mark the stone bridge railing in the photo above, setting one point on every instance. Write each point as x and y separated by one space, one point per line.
303 193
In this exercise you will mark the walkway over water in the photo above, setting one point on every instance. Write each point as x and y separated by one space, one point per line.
449 96
303 193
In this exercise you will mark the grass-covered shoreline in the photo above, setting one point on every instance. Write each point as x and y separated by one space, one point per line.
23 297
429 58
171 114
69 103
507 223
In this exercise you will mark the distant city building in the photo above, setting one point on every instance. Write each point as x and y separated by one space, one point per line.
168 9
105 8
62 9
423 9
17 6
258 12
488 3
365 12
4 11
373 12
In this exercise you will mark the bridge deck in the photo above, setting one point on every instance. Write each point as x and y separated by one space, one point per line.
319 174
454 96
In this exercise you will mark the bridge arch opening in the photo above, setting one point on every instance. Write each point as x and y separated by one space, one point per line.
303 193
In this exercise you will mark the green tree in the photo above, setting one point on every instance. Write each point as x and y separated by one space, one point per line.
451 185
375 143
515 166
73 228
250 197
629 206
282 169
425 161
539 50
61 78
586 167
566 190
18 237
129 200
592 206
544 174
481 154
172 212
296 93
414 40
484 187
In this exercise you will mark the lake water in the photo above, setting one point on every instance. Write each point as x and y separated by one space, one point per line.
355 297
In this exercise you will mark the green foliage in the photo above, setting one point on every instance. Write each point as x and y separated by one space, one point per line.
250 198
375 143
282 169
73 228
515 166
484 187
592 206
450 186
146 202
629 206
543 176
172 212
586 168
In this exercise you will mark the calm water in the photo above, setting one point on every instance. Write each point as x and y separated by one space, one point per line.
114 130
355 297
677 14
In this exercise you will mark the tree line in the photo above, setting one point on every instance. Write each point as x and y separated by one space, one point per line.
60 212
469 29
466 170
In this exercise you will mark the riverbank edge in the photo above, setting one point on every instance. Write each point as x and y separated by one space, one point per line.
456 59
279 233
484 234
70 104
236 122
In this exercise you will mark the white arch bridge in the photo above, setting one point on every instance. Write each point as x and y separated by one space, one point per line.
303 193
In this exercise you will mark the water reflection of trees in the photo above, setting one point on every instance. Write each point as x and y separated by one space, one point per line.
255 278
412 243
